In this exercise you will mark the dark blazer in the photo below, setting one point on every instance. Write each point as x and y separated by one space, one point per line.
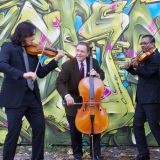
68 80
13 67
148 87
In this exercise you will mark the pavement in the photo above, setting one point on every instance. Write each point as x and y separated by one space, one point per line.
65 153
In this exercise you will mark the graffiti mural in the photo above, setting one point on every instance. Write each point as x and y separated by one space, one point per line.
113 27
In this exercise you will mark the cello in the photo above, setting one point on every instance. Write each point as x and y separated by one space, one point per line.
91 118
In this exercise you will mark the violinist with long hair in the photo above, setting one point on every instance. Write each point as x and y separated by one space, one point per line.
147 95
20 93
67 85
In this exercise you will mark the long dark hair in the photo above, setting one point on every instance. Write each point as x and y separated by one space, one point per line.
23 30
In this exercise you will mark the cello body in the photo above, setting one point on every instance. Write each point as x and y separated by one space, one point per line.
91 118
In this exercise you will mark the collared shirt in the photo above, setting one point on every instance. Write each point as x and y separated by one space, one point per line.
154 49
85 66
85 72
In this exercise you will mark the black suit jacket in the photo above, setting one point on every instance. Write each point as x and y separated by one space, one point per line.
148 87
68 80
13 67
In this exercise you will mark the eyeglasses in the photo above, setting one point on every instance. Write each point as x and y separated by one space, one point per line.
144 43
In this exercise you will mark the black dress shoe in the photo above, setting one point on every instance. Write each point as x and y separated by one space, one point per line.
142 157
97 158
77 157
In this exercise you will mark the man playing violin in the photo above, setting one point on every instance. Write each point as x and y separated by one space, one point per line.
67 86
20 93
147 96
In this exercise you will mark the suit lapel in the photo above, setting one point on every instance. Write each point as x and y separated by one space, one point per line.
76 68
156 51
76 71
20 53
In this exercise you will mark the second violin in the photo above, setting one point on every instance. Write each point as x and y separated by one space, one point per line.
141 57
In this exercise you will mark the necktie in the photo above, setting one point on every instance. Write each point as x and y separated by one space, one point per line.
29 81
82 69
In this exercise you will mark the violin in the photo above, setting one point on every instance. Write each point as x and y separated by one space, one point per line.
141 57
35 49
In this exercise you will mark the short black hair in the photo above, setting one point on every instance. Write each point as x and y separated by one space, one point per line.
23 30
85 44
152 39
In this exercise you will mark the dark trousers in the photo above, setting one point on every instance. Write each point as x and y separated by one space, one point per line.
76 139
151 113
32 110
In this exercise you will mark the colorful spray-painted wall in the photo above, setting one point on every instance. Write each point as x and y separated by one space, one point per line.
113 27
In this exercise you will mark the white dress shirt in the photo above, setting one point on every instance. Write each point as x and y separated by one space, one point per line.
85 66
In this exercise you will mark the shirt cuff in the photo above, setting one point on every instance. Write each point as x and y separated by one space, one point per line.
67 95
98 75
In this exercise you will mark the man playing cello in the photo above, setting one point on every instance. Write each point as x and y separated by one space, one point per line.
67 85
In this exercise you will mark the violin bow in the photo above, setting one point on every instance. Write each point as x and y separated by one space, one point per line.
42 52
